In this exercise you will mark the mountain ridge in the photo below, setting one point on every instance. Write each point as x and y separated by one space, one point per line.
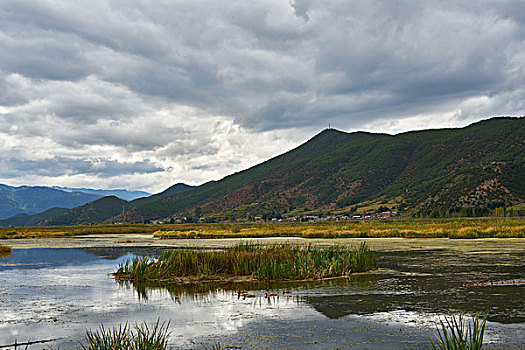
466 171
29 205
35 199
429 171
124 194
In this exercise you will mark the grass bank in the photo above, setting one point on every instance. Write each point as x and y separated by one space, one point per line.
464 228
70 231
258 262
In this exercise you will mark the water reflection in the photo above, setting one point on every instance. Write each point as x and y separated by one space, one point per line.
422 282
203 290
40 258
61 292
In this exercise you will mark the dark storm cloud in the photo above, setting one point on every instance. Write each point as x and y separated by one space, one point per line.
150 79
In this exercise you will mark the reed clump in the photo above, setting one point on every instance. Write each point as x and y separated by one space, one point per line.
259 262
140 337
456 333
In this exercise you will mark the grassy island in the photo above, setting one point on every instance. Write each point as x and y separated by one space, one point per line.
249 261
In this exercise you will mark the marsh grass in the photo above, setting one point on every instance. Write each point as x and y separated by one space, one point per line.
138 337
5 251
463 228
259 262
4 248
459 228
456 333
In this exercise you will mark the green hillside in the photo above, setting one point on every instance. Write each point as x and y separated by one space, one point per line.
97 211
30 220
172 190
442 172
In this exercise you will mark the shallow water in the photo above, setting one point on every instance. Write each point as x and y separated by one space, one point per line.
58 293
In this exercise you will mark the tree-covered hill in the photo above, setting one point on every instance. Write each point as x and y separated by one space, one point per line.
31 220
430 172
94 212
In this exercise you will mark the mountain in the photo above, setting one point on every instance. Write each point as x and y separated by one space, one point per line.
120 193
101 209
31 220
172 190
31 200
97 211
432 172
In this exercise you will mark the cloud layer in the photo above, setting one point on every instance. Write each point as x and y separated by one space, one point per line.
144 94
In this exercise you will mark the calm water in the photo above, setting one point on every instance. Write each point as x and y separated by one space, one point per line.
58 293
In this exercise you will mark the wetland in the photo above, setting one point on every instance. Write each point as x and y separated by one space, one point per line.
60 292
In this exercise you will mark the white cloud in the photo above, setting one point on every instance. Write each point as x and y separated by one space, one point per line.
198 90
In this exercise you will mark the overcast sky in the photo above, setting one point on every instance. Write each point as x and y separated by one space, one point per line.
145 94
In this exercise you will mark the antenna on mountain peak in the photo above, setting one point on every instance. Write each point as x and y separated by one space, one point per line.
329 126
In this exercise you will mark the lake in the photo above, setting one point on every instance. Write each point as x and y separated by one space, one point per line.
60 292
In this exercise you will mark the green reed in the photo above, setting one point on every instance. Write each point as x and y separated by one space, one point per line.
456 334
261 262
139 337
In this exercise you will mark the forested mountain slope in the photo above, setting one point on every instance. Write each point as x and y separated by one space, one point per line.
441 171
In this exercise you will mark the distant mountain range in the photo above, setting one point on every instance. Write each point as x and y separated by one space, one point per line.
105 208
120 193
445 172
31 200
24 201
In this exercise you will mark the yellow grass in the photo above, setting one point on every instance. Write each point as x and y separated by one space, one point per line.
451 228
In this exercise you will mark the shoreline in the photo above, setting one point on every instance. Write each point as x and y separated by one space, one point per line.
470 246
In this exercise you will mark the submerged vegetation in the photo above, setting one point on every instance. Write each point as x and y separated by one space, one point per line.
456 334
259 262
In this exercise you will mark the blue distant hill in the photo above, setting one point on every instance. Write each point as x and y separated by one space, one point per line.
120 193
31 200
36 199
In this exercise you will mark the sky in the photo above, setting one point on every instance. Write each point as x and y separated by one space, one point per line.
145 94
